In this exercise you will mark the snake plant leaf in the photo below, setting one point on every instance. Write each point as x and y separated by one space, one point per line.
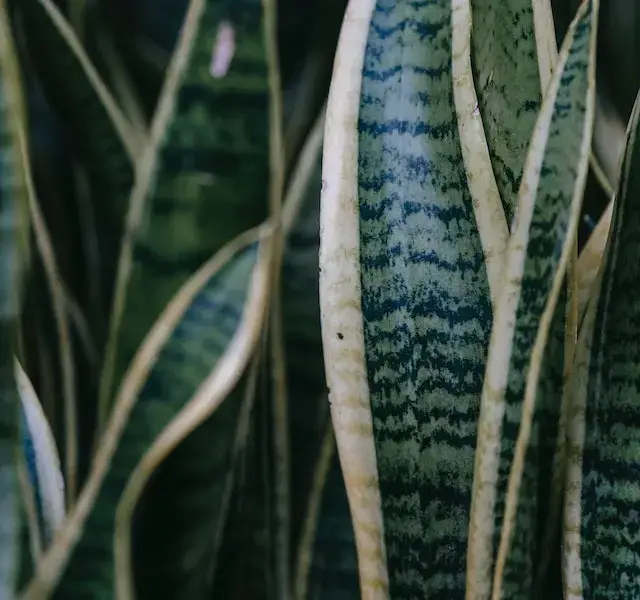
205 173
590 259
422 289
213 321
12 204
507 469
248 563
340 301
98 133
245 567
42 460
333 572
602 540
513 51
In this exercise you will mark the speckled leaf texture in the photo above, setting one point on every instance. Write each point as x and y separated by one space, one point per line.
12 196
610 492
211 180
544 231
193 349
507 80
425 297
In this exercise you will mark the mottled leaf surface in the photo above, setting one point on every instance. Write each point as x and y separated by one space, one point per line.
190 354
211 180
544 230
507 80
425 297
610 492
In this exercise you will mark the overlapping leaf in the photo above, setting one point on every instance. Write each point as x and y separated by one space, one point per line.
425 296
510 463
513 50
204 175
602 535
12 201
98 133
178 361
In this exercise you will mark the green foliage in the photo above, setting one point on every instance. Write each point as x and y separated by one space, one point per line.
270 331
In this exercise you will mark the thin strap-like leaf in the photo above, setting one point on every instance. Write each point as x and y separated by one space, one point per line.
490 216
158 399
204 176
543 235
340 302
603 539
12 202
513 51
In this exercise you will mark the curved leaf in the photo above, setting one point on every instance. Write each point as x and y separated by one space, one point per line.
204 176
602 539
12 202
426 302
41 455
510 446
340 303
181 359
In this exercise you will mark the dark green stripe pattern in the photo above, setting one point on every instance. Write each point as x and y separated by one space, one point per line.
610 497
190 354
425 297
507 82
212 176
563 171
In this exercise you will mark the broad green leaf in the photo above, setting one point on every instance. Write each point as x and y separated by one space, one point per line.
340 301
513 51
204 176
188 364
602 538
185 506
42 460
510 465
12 202
425 296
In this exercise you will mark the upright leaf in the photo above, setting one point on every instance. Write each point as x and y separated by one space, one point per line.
340 302
204 175
602 534
509 465
197 332
513 50
12 201
98 133
425 296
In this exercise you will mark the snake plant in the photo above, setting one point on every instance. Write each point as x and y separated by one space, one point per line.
276 332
